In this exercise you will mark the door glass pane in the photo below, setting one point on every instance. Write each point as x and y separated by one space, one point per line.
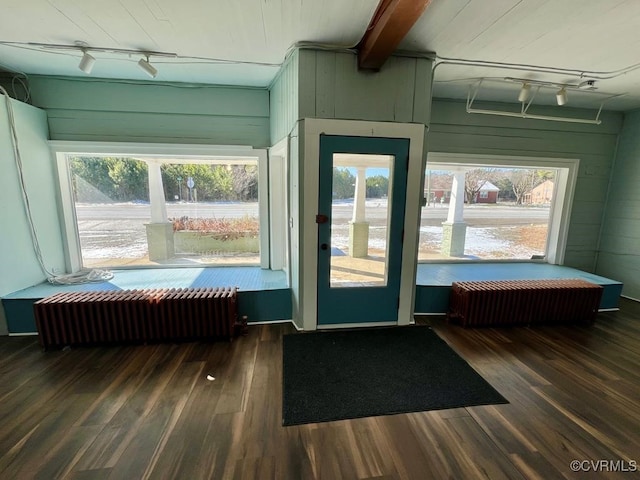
360 218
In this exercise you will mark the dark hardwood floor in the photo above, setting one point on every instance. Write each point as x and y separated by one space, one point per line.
150 412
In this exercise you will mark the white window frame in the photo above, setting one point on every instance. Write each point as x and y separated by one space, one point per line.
279 206
61 149
561 204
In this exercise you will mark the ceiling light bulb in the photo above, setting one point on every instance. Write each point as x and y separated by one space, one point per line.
561 96
86 63
524 92
147 67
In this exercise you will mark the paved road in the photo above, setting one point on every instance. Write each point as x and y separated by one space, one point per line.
117 230
487 215
129 211
376 212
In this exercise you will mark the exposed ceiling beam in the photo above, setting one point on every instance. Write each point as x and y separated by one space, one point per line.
390 23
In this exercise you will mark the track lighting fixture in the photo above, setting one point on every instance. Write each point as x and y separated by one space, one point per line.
530 88
86 62
147 67
561 96
524 92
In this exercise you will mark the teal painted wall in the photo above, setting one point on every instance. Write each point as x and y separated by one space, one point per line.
4 329
258 306
331 86
283 99
455 131
284 108
323 84
619 255
112 111
18 265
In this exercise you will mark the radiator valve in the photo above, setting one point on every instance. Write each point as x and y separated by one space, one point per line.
241 327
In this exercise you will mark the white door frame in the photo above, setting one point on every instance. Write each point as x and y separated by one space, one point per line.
310 130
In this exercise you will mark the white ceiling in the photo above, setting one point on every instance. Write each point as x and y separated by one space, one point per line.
585 35
199 31
243 42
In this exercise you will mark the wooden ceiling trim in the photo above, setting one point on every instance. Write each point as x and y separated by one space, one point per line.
390 23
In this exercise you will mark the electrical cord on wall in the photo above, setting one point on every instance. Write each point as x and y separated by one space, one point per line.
83 276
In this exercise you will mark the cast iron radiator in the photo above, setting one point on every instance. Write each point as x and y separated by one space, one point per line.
136 316
524 302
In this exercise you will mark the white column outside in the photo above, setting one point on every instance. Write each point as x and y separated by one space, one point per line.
159 230
360 196
359 227
454 230
456 205
156 193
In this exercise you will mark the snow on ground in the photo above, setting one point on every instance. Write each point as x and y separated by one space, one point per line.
478 240
137 250
482 242
112 233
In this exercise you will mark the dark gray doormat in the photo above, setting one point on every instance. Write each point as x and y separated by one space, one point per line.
367 372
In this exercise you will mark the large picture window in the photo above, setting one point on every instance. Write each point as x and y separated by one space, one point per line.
495 208
153 209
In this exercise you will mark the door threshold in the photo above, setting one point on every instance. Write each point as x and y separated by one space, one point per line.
356 325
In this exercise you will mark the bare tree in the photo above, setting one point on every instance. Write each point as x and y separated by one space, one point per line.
523 181
520 183
245 182
474 180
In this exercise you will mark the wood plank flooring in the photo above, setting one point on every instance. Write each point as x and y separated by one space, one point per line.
150 412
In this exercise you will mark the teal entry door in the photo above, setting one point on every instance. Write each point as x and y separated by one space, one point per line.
361 207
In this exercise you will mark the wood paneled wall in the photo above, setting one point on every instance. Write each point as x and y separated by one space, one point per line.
619 255
455 131
283 99
331 86
113 111
19 267
324 84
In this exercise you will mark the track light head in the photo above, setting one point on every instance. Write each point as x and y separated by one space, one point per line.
86 62
524 92
147 67
561 96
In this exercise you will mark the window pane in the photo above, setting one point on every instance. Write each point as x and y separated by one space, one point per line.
505 215
360 220
112 205
209 216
